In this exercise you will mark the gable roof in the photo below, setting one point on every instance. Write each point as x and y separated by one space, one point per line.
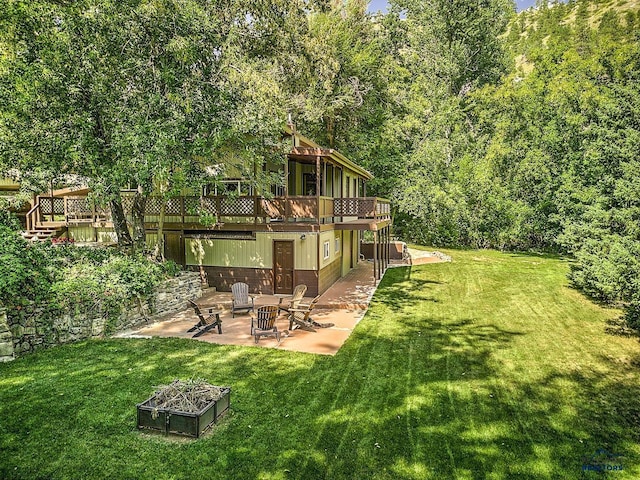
306 149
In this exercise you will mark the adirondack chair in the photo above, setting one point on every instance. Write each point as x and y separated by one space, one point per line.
205 324
287 302
300 316
264 322
241 299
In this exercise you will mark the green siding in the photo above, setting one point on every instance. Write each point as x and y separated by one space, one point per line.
82 234
256 253
330 237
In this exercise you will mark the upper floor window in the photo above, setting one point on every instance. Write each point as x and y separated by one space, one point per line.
231 186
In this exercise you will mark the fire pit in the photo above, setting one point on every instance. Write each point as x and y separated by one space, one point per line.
184 408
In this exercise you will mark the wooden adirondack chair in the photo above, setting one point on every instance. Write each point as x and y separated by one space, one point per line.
300 315
241 299
292 301
264 322
205 324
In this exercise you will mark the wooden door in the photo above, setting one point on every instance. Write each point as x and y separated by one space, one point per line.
283 266
174 247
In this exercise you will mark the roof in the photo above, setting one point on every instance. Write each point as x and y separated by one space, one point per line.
309 150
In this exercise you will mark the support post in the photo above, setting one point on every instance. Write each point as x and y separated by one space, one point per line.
318 189
388 245
375 255
385 248
286 177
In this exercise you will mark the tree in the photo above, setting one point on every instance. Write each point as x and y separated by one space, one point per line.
129 92
445 50
335 98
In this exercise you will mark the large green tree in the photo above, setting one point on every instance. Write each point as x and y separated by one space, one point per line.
132 93
443 52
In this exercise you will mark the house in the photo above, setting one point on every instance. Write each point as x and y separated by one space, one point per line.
306 231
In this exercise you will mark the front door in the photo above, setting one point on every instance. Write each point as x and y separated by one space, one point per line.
282 266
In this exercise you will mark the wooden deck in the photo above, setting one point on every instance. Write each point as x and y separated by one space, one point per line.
70 210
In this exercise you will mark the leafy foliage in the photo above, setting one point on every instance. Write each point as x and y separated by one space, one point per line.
544 157
25 273
485 128
136 93
66 277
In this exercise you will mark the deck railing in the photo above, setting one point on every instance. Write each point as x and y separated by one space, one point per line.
72 210
363 207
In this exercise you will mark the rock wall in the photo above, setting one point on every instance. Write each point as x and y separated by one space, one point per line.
30 329
6 340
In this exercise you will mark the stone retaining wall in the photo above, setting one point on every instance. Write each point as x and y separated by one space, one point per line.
33 328
6 340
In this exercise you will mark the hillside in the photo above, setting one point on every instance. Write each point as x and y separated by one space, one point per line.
537 27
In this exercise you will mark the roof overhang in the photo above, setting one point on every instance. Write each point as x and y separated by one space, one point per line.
310 151
369 224
310 154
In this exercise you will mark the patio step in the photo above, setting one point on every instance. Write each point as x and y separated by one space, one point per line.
41 234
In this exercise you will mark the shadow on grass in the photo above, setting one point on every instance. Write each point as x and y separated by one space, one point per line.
409 396
398 290
444 410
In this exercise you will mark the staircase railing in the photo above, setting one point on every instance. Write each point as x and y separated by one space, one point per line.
33 216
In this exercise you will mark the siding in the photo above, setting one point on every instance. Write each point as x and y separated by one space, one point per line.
8 184
346 252
329 236
82 234
256 253
329 275
260 280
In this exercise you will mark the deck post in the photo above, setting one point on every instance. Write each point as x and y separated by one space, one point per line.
386 248
380 256
318 189
53 216
375 255
388 245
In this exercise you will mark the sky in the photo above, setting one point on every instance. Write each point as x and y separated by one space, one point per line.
381 5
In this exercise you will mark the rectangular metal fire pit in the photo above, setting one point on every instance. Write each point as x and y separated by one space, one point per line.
182 423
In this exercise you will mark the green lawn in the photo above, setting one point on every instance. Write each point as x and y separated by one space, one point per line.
487 367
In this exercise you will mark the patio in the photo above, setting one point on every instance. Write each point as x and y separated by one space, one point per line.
343 304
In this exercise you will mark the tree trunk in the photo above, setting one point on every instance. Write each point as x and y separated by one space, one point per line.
120 223
331 131
160 242
137 220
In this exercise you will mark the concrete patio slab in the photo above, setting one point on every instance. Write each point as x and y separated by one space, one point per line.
343 305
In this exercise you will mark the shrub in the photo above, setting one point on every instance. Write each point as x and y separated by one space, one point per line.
8 219
66 277
107 285
24 276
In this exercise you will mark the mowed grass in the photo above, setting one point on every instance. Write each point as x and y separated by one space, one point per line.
487 367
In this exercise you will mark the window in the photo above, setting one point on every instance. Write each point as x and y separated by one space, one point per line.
326 250
310 184
337 246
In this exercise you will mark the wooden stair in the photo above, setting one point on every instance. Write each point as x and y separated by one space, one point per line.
41 234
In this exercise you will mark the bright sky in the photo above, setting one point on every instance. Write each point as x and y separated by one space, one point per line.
381 5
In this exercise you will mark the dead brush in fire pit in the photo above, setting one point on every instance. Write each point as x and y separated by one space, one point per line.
184 407
191 396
